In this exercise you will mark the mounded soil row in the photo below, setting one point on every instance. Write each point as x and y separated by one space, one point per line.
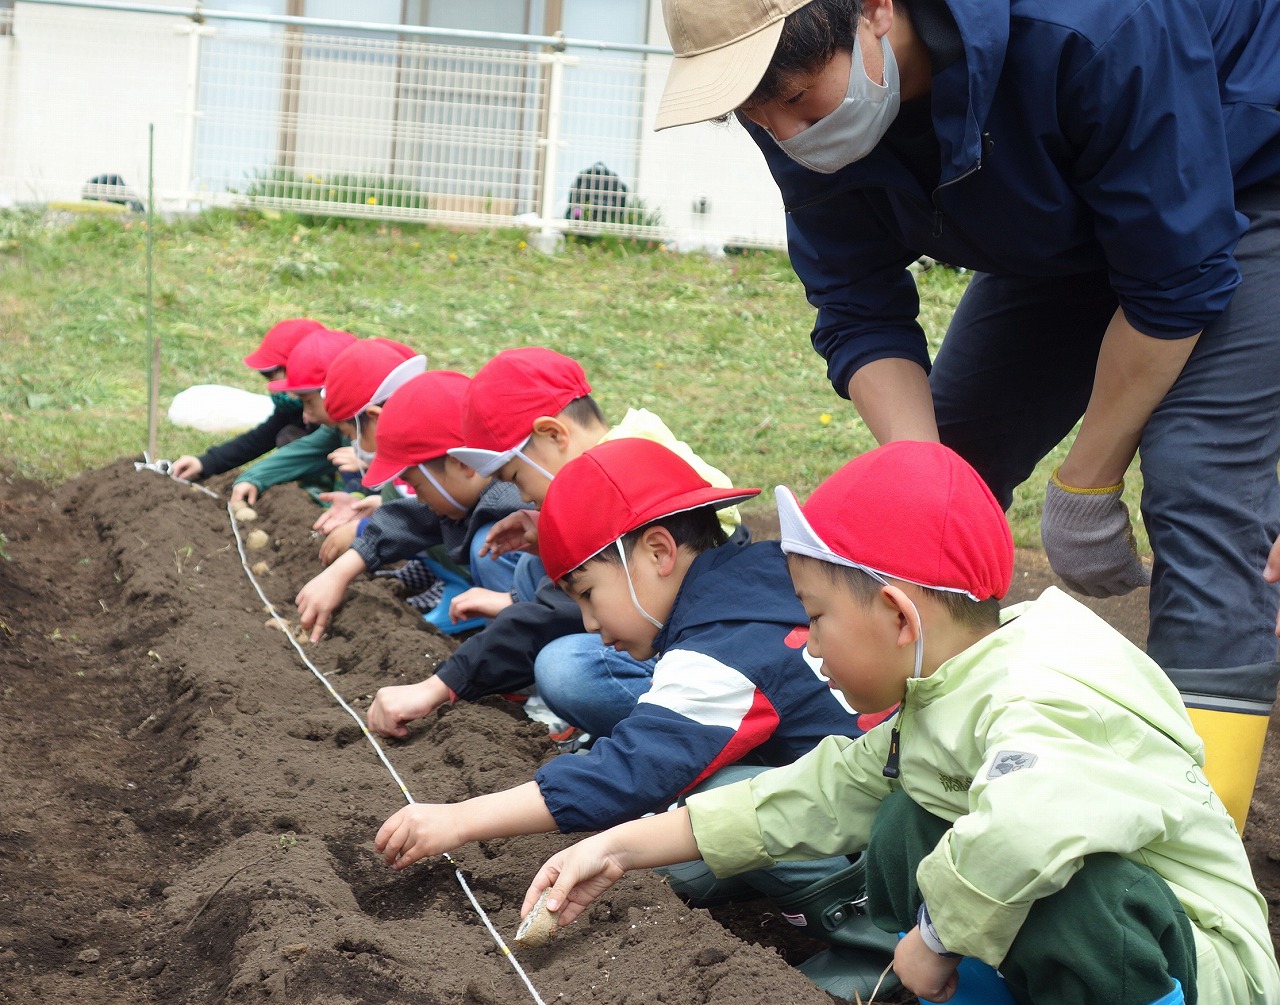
187 815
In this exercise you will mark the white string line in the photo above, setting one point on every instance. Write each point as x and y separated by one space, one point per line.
284 626
166 468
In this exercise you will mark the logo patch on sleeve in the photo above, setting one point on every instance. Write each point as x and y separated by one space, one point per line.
1009 761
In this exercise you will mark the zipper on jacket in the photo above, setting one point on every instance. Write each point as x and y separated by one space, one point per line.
891 762
988 144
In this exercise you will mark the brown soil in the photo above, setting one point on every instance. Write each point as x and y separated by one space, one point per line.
186 814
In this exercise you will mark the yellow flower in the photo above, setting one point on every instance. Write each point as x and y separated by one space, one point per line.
332 192
453 256
372 200
660 365
521 246
825 418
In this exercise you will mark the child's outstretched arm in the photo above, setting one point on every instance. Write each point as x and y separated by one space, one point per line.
423 829
583 871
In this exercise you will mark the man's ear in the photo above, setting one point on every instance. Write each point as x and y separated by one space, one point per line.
658 546
905 610
552 428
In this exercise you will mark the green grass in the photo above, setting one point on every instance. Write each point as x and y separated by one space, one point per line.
718 348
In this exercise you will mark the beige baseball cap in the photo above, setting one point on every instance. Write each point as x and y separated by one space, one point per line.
722 49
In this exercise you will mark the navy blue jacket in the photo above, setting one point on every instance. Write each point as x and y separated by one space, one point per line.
732 679
1074 136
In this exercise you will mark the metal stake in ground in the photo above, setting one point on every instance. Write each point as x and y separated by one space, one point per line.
153 347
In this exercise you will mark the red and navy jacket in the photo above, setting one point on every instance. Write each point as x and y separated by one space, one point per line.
732 679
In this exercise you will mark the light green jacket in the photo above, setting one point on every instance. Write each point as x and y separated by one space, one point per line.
1109 763
642 424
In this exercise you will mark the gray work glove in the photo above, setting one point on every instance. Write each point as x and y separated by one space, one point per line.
1088 540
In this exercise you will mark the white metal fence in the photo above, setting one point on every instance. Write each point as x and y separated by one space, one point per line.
400 123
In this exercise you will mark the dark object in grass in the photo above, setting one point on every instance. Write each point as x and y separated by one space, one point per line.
111 188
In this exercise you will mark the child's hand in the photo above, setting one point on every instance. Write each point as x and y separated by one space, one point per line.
516 531
318 600
344 459
922 971
394 706
187 467
244 492
338 541
577 876
477 602
1272 573
339 512
417 831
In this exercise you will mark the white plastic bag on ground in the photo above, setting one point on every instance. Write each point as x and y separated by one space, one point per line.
216 408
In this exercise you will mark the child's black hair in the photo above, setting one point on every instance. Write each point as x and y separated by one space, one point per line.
585 412
811 36
436 465
979 615
698 530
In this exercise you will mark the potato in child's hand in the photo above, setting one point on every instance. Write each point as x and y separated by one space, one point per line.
539 925
245 514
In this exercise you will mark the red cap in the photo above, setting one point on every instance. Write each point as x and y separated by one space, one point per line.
365 373
614 488
508 394
422 419
278 342
907 510
308 364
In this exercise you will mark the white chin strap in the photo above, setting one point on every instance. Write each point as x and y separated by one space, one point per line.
631 586
440 488
538 468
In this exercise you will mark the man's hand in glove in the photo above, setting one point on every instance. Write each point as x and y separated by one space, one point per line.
1088 539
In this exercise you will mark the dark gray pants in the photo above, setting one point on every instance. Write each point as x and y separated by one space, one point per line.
1013 377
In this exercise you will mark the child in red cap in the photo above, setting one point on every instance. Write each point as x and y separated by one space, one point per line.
284 425
357 384
445 526
1038 804
306 459
631 532
528 412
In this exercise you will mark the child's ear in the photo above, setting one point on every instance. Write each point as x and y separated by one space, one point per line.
905 610
660 547
453 466
552 428
373 411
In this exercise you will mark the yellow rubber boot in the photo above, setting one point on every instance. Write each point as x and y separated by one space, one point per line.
1232 751
1231 708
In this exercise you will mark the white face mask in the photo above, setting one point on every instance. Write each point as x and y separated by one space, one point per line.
365 457
857 124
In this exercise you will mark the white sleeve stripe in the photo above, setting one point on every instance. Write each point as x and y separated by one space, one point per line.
701 688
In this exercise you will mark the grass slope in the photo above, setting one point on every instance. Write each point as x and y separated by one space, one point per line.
718 348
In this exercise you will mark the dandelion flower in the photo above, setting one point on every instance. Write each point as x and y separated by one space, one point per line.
825 418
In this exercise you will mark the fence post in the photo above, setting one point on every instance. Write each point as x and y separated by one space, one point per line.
190 107
549 239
